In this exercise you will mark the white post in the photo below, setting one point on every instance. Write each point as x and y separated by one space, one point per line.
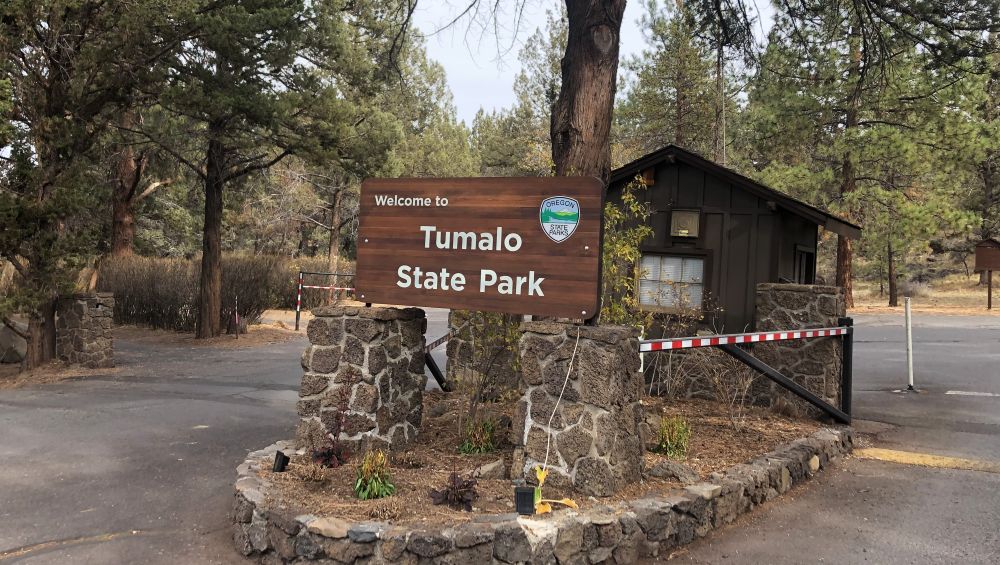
909 343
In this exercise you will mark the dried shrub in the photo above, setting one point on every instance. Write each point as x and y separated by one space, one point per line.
458 493
385 510
163 292
373 478
479 437
731 383
310 472
673 437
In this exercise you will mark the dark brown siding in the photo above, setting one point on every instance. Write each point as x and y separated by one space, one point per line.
744 239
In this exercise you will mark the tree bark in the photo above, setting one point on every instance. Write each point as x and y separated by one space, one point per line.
581 116
849 181
128 172
333 255
41 339
720 105
210 290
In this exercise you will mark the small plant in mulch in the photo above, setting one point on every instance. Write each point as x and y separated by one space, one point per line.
544 505
332 455
374 480
479 437
673 437
458 493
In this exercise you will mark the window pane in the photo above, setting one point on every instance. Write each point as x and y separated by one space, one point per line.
669 296
671 269
650 267
692 295
649 293
693 269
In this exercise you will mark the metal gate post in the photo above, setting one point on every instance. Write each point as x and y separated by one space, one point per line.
847 365
298 303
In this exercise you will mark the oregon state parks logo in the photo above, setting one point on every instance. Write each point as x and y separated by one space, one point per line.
559 217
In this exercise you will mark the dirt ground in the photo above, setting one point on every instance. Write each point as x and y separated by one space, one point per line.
714 445
257 336
956 295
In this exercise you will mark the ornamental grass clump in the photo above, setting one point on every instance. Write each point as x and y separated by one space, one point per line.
673 437
479 438
374 480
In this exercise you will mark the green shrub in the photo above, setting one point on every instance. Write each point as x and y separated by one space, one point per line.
478 437
374 480
673 437
163 292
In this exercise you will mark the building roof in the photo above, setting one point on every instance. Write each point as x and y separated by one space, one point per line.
673 153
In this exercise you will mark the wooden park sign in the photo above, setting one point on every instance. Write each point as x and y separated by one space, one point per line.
515 245
988 260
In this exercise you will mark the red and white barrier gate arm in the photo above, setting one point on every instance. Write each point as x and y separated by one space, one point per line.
735 339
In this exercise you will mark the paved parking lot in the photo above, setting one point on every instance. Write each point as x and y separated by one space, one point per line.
138 467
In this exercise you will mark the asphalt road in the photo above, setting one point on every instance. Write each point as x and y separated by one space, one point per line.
870 511
139 468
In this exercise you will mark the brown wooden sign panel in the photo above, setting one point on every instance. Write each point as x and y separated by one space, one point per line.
514 245
987 256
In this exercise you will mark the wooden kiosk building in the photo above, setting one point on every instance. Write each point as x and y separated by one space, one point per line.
717 234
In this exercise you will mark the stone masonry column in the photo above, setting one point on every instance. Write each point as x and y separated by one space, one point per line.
813 363
364 378
595 443
83 330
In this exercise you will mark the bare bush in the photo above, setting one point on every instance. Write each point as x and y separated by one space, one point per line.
163 292
731 383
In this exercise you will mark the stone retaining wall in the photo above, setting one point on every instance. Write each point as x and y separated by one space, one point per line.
592 441
83 330
622 533
364 377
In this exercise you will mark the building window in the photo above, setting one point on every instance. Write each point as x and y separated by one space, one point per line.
805 265
684 223
671 282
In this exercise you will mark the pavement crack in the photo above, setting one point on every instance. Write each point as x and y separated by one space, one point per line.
56 544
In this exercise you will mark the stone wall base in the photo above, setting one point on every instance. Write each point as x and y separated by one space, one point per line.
83 330
626 532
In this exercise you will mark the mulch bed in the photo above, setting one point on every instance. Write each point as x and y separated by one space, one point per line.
715 444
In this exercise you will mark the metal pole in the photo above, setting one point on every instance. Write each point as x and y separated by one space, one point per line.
989 290
909 343
236 314
847 366
298 303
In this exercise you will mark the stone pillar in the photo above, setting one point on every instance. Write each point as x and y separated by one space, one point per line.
813 363
364 378
594 441
83 330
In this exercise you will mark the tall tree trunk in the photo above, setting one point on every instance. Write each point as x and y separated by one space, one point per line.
128 172
41 341
210 290
849 181
333 255
581 117
720 105
893 292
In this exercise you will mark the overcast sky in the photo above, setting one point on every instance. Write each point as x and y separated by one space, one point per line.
479 72
480 69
